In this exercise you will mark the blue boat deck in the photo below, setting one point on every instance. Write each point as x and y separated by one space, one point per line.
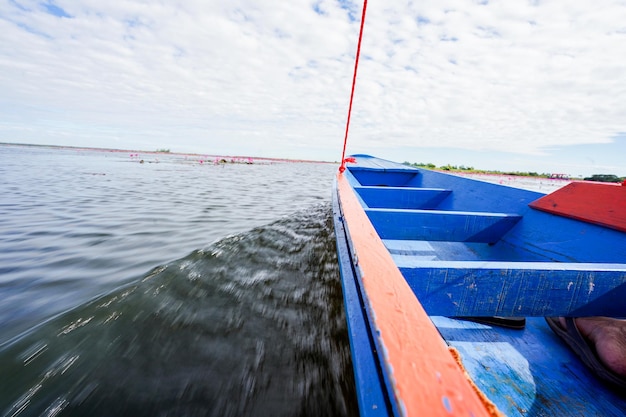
529 372
462 245
465 253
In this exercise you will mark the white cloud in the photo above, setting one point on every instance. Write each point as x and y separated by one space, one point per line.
273 77
499 78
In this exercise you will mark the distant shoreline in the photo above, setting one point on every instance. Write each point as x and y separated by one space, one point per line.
449 169
469 171
85 148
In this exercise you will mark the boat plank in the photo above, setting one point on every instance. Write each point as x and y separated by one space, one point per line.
375 178
402 197
437 225
532 289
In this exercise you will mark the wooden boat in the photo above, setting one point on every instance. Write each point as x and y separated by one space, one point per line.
421 251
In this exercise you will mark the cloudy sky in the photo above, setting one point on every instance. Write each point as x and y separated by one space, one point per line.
520 85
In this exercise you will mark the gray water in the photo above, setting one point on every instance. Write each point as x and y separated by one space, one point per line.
169 287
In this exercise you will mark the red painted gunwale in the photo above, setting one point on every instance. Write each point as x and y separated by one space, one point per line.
425 378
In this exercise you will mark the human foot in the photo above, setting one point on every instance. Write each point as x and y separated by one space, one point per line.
599 342
608 336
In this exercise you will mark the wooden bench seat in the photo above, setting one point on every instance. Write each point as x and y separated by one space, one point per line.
479 288
402 197
437 225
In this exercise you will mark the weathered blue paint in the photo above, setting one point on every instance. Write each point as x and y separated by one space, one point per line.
436 225
402 197
398 177
529 372
540 289
445 234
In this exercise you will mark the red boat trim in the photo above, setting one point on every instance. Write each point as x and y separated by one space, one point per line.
423 374
597 203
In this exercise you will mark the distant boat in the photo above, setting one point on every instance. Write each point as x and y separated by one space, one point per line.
447 282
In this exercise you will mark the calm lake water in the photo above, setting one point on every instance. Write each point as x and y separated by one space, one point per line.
168 287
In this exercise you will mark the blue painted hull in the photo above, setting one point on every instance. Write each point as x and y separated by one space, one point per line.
471 248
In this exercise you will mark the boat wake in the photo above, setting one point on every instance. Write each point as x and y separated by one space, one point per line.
250 325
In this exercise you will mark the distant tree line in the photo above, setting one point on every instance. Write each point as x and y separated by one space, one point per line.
463 168
455 168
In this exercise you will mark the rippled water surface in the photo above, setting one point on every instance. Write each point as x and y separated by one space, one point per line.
168 288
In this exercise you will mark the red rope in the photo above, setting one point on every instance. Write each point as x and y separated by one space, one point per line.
356 66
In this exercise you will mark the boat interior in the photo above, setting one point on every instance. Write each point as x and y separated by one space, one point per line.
469 248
